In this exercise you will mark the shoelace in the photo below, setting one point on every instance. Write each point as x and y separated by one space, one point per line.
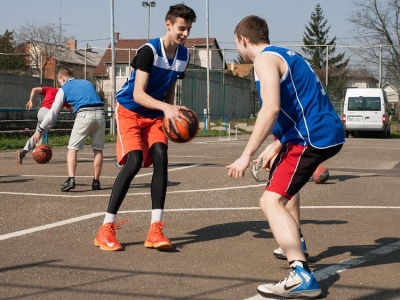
158 228
111 229
292 269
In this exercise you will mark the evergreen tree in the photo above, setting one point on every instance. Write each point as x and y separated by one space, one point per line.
316 33
9 59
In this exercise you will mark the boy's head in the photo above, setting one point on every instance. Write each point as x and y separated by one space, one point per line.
180 11
178 22
63 75
254 29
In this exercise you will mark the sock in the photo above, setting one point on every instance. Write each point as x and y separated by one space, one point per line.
109 218
71 179
156 215
304 263
24 152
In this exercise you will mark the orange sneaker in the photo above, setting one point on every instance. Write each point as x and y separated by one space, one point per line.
105 238
155 237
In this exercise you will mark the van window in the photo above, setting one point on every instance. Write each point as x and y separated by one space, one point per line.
364 104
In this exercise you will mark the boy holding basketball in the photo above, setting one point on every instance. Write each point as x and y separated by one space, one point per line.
143 101
308 131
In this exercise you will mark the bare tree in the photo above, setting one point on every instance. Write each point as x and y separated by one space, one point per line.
377 28
43 43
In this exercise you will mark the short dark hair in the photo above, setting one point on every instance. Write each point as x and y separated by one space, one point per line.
65 72
180 11
254 28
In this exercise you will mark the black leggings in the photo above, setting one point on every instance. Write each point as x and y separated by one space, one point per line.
132 166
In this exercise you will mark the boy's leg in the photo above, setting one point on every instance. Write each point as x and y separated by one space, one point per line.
301 281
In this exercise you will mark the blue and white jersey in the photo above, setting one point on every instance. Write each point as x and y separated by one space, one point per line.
163 74
80 93
306 115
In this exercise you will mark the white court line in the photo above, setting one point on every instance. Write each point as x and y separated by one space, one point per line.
138 175
93 215
346 265
68 195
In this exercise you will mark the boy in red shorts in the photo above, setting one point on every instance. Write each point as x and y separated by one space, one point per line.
308 131
143 101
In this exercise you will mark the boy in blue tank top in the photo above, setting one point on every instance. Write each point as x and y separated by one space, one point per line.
307 131
143 101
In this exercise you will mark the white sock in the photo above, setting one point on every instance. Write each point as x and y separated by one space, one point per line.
109 218
156 215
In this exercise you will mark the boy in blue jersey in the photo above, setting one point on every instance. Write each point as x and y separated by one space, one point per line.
89 121
308 131
141 104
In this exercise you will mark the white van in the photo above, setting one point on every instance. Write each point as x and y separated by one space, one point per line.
366 110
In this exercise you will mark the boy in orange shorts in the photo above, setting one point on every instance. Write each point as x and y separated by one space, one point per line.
143 101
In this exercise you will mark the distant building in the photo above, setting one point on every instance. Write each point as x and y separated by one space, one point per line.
80 61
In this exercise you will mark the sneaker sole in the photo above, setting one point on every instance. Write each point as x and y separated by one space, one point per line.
17 157
161 245
312 294
106 248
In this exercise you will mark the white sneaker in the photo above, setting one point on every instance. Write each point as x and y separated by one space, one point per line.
278 253
299 283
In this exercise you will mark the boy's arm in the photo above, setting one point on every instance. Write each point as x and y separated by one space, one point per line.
34 92
267 67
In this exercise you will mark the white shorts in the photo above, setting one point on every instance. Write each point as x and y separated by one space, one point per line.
88 123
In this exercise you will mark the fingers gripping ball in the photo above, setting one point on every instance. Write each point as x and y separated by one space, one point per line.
42 154
321 175
187 132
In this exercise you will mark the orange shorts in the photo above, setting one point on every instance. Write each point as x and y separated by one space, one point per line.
136 132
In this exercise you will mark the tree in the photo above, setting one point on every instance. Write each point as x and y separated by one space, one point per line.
316 43
10 60
376 27
239 60
42 42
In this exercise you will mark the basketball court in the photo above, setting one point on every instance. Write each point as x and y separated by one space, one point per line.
222 243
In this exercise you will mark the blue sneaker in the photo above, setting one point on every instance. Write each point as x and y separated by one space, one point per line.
281 255
299 284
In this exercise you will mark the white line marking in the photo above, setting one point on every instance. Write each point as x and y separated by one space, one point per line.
91 176
93 215
131 194
346 265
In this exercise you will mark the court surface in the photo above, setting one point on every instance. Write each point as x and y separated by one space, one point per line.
222 242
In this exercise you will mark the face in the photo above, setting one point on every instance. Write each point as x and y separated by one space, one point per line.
179 31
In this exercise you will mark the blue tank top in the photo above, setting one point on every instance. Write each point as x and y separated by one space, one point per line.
163 75
81 93
306 115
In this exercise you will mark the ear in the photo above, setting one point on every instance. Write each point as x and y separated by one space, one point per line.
168 24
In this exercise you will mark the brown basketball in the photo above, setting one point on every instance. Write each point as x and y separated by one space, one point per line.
42 154
187 132
321 174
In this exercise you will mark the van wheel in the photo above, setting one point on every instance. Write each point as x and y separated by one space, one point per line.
384 134
346 134
388 134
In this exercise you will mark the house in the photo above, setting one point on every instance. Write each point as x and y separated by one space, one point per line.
393 96
360 81
82 62
241 70
125 51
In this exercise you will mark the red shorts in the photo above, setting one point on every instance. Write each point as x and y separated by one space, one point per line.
294 166
136 132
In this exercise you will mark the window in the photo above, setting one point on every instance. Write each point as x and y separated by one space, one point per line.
120 71
365 103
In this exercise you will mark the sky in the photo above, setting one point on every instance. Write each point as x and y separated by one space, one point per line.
89 21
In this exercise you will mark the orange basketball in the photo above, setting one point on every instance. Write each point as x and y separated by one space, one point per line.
187 132
42 154
321 174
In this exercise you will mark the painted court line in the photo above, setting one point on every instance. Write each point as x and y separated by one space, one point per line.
94 215
346 265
